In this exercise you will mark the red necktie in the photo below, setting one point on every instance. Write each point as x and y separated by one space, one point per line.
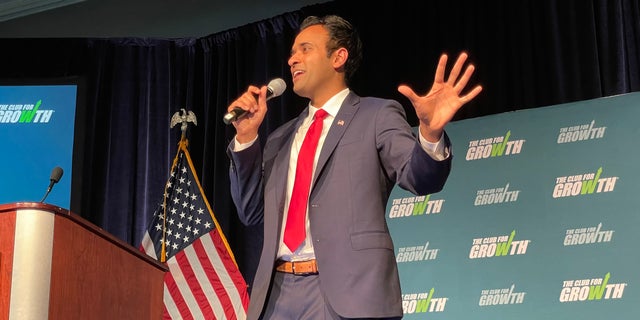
294 231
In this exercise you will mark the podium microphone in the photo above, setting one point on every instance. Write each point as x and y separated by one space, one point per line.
56 174
275 88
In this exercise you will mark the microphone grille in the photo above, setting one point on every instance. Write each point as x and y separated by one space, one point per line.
56 174
277 86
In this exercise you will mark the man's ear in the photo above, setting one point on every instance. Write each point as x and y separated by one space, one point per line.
340 57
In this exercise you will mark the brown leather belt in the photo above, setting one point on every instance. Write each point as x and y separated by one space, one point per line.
299 268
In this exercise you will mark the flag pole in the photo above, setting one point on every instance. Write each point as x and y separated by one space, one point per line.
183 117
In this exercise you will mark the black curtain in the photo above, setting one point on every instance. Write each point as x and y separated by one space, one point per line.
528 54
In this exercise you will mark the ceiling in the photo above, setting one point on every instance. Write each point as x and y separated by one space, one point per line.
11 9
134 18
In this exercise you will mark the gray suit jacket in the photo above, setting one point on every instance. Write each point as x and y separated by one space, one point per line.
369 148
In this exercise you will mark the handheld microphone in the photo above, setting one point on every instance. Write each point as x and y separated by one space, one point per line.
56 174
275 88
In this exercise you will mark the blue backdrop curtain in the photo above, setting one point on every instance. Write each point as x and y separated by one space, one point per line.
528 54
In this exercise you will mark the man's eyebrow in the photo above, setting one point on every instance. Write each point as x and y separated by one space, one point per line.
300 45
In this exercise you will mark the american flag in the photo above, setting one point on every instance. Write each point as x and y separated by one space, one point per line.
203 281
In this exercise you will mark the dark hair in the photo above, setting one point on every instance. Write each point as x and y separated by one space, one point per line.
341 34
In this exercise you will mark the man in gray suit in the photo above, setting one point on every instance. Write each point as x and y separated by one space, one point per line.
343 266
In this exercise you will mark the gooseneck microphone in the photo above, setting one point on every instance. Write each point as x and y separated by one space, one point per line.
56 174
275 88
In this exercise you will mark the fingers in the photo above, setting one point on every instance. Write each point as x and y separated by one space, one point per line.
408 92
465 78
249 99
453 76
451 89
472 94
442 65
459 83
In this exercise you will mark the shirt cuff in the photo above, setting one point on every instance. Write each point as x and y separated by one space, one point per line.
237 146
435 150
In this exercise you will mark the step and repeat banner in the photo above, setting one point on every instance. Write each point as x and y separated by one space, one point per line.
540 218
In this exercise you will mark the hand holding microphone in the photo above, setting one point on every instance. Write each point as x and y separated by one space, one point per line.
275 88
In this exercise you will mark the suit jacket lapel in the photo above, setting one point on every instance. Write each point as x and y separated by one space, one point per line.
338 127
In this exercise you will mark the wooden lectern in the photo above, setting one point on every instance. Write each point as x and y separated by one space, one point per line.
56 265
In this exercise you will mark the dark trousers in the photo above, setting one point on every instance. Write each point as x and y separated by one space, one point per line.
294 297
